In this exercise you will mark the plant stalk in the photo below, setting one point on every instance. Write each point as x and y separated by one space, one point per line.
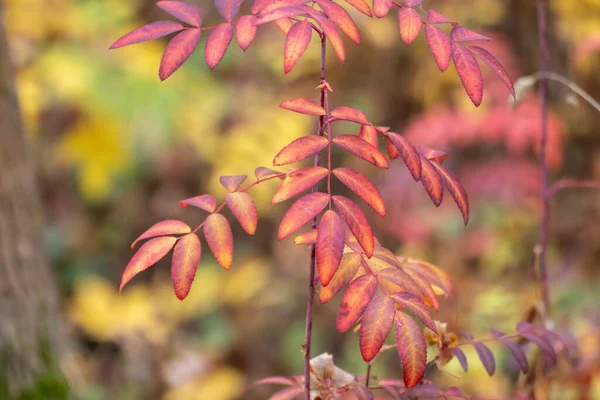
313 250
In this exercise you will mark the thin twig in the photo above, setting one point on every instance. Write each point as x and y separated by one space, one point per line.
553 76
570 183
368 377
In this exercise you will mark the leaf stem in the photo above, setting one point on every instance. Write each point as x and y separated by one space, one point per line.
368 377
313 250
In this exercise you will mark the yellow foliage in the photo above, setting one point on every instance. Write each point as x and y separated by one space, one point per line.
246 281
576 18
225 383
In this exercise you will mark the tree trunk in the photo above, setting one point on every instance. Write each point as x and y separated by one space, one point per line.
28 295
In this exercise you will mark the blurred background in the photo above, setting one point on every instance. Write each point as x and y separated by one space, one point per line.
113 150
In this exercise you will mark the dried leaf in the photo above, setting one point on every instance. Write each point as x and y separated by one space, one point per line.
163 228
296 43
341 18
357 297
456 189
409 153
410 24
362 149
330 245
300 149
410 342
375 326
462 359
186 257
206 202
217 233
440 46
357 222
302 211
217 43
468 72
147 255
231 183
298 181
462 34
303 106
243 208
346 271
432 181
486 357
416 306
434 17
495 65
179 49
151 31
363 188
350 114
228 8
182 11
245 31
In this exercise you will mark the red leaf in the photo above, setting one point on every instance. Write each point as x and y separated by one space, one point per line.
382 7
462 34
439 45
360 185
350 114
410 24
346 271
362 6
309 237
435 275
359 294
495 65
432 181
162 228
409 154
243 208
300 149
298 181
462 359
330 245
433 155
296 43
368 133
179 49
182 11
413 3
186 257
258 5
392 151
245 31
362 149
206 202
149 254
264 172
302 211
232 182
151 31
332 35
303 106
456 189
415 306
341 18
410 342
434 17
517 353
392 280
284 12
228 8
428 294
357 222
217 233
375 326
486 357
217 43
469 72
275 4
284 24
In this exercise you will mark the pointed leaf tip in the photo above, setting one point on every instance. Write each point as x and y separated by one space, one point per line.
179 49
163 228
330 245
468 72
231 183
296 43
228 8
303 210
217 43
243 208
182 11
412 348
245 31
303 106
147 255
151 31
218 236
186 257
376 324
410 24
355 300
206 202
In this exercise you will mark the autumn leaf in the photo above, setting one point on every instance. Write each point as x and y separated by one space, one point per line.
416 306
375 326
440 46
186 257
341 18
357 297
245 31
330 245
217 233
362 6
468 72
303 106
151 31
206 202
296 43
182 11
461 357
382 7
368 133
410 24
147 255
495 65
217 43
486 357
163 228
456 189
357 222
362 149
411 346
231 183
363 188
302 211
434 17
179 49
332 35
462 34
350 114
409 153
243 208
228 8
298 181
300 149
432 181
345 272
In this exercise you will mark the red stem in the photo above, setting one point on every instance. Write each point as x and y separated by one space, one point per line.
543 91
313 250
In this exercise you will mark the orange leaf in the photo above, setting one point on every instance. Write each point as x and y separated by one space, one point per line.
434 17
360 185
300 149
303 106
439 45
357 222
298 181
412 349
415 306
179 49
432 181
495 65
245 31
231 183
228 8
433 155
182 11
264 172
359 294
302 211
243 208
162 228
284 24
309 238
409 153
296 43
375 326
217 233
332 35
350 114
147 255
186 257
281 13
330 245
362 149
382 7
368 133
206 202
456 189
217 43
396 279
341 18
436 277
362 6
410 24
392 151
428 294
151 31
468 72
346 271
272 5
462 34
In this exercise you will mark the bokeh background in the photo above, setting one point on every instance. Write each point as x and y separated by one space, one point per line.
114 150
